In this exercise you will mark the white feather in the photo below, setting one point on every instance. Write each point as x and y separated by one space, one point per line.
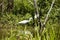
24 22
27 21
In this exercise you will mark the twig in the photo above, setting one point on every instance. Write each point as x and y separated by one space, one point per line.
36 8
48 13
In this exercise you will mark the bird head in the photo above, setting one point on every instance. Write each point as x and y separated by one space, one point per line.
30 19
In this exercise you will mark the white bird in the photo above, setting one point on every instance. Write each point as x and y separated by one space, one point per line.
25 21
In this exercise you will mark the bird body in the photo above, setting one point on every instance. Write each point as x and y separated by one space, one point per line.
27 21
24 22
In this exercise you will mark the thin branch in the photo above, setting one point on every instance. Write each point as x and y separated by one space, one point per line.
48 13
36 8
37 13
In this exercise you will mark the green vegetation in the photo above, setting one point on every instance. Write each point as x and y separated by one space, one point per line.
23 10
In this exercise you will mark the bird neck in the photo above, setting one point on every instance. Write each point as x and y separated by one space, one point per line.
30 19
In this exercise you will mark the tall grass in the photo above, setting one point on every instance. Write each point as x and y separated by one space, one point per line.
11 31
